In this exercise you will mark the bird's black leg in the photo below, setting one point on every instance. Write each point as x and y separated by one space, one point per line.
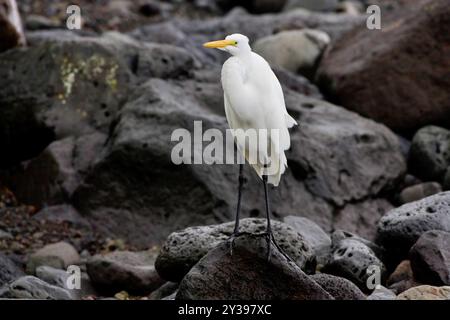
269 233
238 208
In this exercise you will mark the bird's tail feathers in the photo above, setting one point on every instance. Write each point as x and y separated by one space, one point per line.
290 122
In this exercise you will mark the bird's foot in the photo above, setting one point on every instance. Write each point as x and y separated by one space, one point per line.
232 238
269 239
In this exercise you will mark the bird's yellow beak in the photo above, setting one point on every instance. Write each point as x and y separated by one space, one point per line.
219 44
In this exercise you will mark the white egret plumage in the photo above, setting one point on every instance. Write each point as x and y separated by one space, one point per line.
254 99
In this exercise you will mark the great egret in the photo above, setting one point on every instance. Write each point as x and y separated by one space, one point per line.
254 100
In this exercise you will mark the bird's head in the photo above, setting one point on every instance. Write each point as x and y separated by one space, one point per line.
234 44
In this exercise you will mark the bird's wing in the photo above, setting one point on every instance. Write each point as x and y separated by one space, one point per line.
277 91
254 100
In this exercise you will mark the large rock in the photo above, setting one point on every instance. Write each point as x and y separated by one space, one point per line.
30 287
9 271
382 293
339 288
247 275
353 258
315 236
430 258
53 176
58 255
133 272
86 82
402 278
362 218
429 156
183 249
354 70
166 290
336 157
295 50
419 191
60 278
400 228
425 292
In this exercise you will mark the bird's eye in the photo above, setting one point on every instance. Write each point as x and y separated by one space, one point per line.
235 43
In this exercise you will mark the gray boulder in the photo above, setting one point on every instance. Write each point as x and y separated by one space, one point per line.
382 293
315 236
362 218
133 272
339 288
419 191
9 271
60 278
400 228
429 156
87 81
183 249
294 50
247 275
430 258
59 255
30 287
166 290
53 176
353 259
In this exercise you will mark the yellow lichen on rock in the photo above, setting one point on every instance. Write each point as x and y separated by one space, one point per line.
96 67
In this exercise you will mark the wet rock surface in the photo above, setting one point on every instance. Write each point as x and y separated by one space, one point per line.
248 275
182 250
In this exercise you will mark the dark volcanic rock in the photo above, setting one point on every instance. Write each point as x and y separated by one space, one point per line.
355 68
430 258
429 156
362 218
166 290
382 293
400 228
185 248
30 287
354 259
419 191
328 162
247 275
9 271
315 236
53 176
87 81
133 272
339 288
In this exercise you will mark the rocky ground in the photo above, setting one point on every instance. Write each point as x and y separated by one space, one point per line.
86 177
